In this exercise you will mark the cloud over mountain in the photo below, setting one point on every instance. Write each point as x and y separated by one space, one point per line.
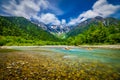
55 11
25 8
31 9
100 8
48 18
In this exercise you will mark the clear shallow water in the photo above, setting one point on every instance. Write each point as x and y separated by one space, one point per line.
75 64
96 54
111 56
84 54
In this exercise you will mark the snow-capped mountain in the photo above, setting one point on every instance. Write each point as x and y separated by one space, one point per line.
59 29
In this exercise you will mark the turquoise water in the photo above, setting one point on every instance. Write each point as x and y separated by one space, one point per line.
111 56
83 54
83 63
96 54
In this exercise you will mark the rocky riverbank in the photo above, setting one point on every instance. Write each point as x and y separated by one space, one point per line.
65 46
101 46
45 65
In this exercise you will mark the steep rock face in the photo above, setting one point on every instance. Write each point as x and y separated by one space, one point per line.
89 22
57 29
40 24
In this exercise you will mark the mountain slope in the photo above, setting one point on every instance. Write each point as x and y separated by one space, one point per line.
19 26
98 34
57 29
91 22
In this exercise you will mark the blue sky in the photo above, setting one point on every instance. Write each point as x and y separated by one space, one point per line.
56 12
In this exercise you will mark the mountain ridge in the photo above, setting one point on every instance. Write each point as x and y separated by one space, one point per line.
18 31
81 27
58 29
68 31
25 28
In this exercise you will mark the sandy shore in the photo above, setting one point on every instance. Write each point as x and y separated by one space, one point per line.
64 46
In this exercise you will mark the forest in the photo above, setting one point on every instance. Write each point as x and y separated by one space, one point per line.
97 34
20 31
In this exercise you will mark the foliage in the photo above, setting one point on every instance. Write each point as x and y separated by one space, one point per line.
20 31
19 26
97 34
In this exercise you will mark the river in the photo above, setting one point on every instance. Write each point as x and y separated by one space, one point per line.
60 63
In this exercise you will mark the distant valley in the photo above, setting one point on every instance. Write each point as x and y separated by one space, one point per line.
21 30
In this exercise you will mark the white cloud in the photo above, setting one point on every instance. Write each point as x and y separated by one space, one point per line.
82 17
30 9
26 8
63 21
48 18
100 8
55 9
104 9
